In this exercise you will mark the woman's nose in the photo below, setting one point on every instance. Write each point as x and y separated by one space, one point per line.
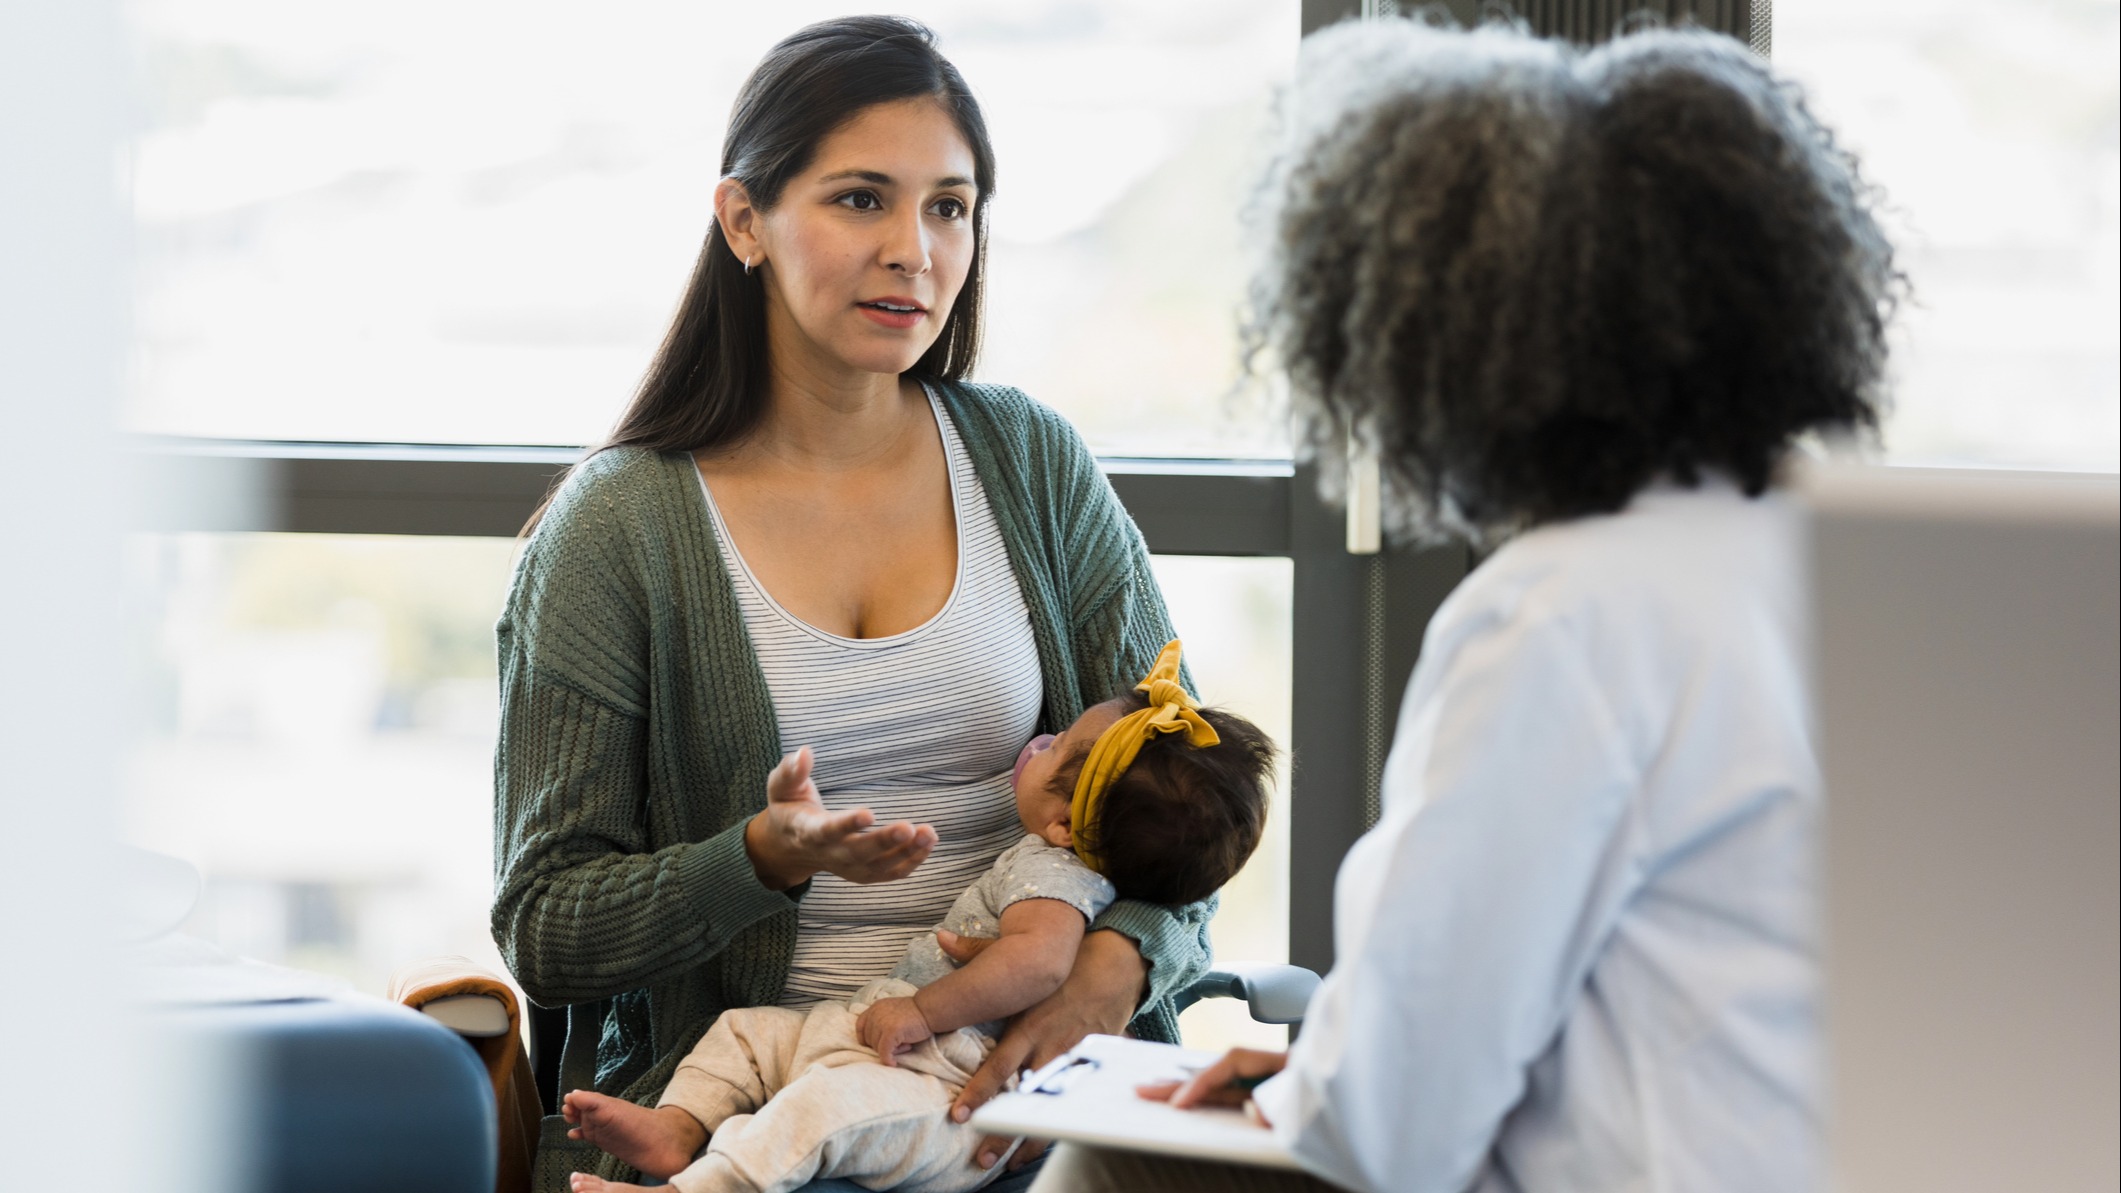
906 252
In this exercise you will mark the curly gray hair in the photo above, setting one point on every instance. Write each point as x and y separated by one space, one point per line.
1534 279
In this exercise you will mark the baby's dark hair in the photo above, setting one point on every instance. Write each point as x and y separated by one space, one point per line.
1181 821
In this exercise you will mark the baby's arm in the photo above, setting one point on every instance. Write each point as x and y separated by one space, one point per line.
1030 961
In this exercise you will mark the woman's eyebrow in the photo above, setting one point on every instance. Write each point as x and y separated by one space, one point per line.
879 178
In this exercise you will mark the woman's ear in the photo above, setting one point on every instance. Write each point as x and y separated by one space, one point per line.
739 221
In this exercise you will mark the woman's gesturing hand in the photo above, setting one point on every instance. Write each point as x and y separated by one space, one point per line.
1100 996
795 838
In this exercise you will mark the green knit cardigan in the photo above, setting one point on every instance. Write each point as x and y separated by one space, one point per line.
637 731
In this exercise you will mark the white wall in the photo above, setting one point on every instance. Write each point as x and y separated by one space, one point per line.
62 301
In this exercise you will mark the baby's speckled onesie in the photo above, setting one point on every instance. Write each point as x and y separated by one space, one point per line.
790 1096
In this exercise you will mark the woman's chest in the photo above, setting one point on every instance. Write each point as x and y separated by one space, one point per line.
919 715
862 557
951 711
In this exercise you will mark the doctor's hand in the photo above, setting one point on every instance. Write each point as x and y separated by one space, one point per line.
1227 1082
1100 996
795 838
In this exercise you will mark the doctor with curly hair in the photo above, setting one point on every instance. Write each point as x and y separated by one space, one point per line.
1584 307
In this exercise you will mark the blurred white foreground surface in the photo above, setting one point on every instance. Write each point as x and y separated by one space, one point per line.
1967 678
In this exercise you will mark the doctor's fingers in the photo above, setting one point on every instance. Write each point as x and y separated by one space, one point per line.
1218 1084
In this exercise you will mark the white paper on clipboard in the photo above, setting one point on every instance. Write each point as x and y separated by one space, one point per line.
1087 1096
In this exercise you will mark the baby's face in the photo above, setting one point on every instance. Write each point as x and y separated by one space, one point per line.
1043 808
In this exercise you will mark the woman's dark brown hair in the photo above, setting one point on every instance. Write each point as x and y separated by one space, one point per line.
706 386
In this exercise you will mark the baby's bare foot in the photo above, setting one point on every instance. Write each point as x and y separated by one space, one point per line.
582 1182
659 1142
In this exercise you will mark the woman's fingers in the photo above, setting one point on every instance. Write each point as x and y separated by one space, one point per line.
907 842
789 781
883 854
849 843
1032 1150
1001 1064
840 826
961 948
1018 1049
888 867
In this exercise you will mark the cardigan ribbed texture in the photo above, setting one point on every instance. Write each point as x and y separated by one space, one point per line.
637 732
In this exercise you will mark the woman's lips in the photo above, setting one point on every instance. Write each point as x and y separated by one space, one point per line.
904 316
1031 748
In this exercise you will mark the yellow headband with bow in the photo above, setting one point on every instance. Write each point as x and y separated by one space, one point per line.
1170 710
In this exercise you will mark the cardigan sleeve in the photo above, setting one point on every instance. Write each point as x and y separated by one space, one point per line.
583 908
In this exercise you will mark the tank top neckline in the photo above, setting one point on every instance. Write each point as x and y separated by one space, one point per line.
953 465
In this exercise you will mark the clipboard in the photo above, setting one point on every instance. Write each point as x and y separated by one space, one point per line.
1087 1096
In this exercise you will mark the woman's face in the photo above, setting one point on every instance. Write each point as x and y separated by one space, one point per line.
867 248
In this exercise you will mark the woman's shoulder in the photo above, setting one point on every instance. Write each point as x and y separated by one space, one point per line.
609 497
610 525
1005 421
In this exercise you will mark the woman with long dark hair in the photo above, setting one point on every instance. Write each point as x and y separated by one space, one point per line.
807 540
1583 306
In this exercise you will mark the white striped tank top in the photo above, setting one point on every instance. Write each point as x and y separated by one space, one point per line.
887 721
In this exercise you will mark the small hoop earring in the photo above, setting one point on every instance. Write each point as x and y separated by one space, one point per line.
747 267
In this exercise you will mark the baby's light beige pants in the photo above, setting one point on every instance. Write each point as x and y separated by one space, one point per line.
790 1097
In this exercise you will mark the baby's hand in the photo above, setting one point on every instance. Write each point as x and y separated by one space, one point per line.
891 1026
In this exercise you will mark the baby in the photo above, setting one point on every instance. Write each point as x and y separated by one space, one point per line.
1145 797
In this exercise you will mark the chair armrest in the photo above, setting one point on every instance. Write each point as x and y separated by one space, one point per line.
473 1016
1274 993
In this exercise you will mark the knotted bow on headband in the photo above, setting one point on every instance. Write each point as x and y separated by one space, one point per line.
1170 710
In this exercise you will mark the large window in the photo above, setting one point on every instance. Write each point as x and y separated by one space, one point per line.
1991 127
474 234
465 221
321 736
320 742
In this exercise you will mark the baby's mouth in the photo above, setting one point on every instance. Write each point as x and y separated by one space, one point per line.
1031 748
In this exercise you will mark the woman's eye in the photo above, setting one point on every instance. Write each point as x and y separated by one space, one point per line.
861 200
950 209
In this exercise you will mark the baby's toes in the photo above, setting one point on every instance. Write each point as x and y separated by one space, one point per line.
582 1182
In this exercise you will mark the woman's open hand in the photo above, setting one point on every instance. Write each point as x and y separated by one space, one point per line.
1099 997
795 838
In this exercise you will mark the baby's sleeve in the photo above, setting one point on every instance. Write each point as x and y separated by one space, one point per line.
1049 872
